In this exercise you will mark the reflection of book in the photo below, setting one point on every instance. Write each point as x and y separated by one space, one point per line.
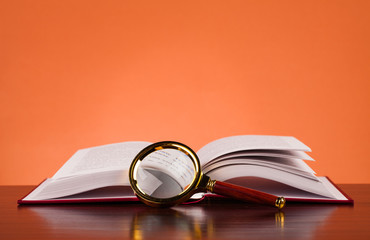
271 164
211 221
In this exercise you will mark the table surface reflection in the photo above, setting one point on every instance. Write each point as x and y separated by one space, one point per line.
208 220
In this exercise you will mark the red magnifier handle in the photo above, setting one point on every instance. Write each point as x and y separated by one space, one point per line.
247 194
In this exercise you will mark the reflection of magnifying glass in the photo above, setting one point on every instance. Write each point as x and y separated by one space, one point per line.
149 223
168 173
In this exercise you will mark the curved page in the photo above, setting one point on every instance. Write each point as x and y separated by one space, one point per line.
234 171
226 145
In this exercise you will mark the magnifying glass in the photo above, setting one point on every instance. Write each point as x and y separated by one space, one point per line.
168 173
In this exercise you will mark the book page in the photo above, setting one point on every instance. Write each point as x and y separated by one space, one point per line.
101 158
273 187
331 188
267 153
248 142
292 163
293 166
171 162
233 171
104 192
61 187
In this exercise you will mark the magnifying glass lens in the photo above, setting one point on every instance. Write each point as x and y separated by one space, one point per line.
165 173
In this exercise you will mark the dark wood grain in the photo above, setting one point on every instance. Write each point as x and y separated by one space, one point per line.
244 194
213 219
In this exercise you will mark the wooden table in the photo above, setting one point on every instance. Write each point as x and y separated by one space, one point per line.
208 220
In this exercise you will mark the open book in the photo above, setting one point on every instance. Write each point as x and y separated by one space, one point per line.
272 164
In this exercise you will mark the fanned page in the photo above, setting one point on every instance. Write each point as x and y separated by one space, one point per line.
265 152
238 171
226 145
273 158
285 165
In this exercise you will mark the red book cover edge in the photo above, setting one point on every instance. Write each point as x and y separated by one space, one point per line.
135 199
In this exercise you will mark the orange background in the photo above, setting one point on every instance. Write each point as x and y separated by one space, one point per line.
77 74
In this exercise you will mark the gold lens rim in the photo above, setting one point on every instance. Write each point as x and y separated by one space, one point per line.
165 202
